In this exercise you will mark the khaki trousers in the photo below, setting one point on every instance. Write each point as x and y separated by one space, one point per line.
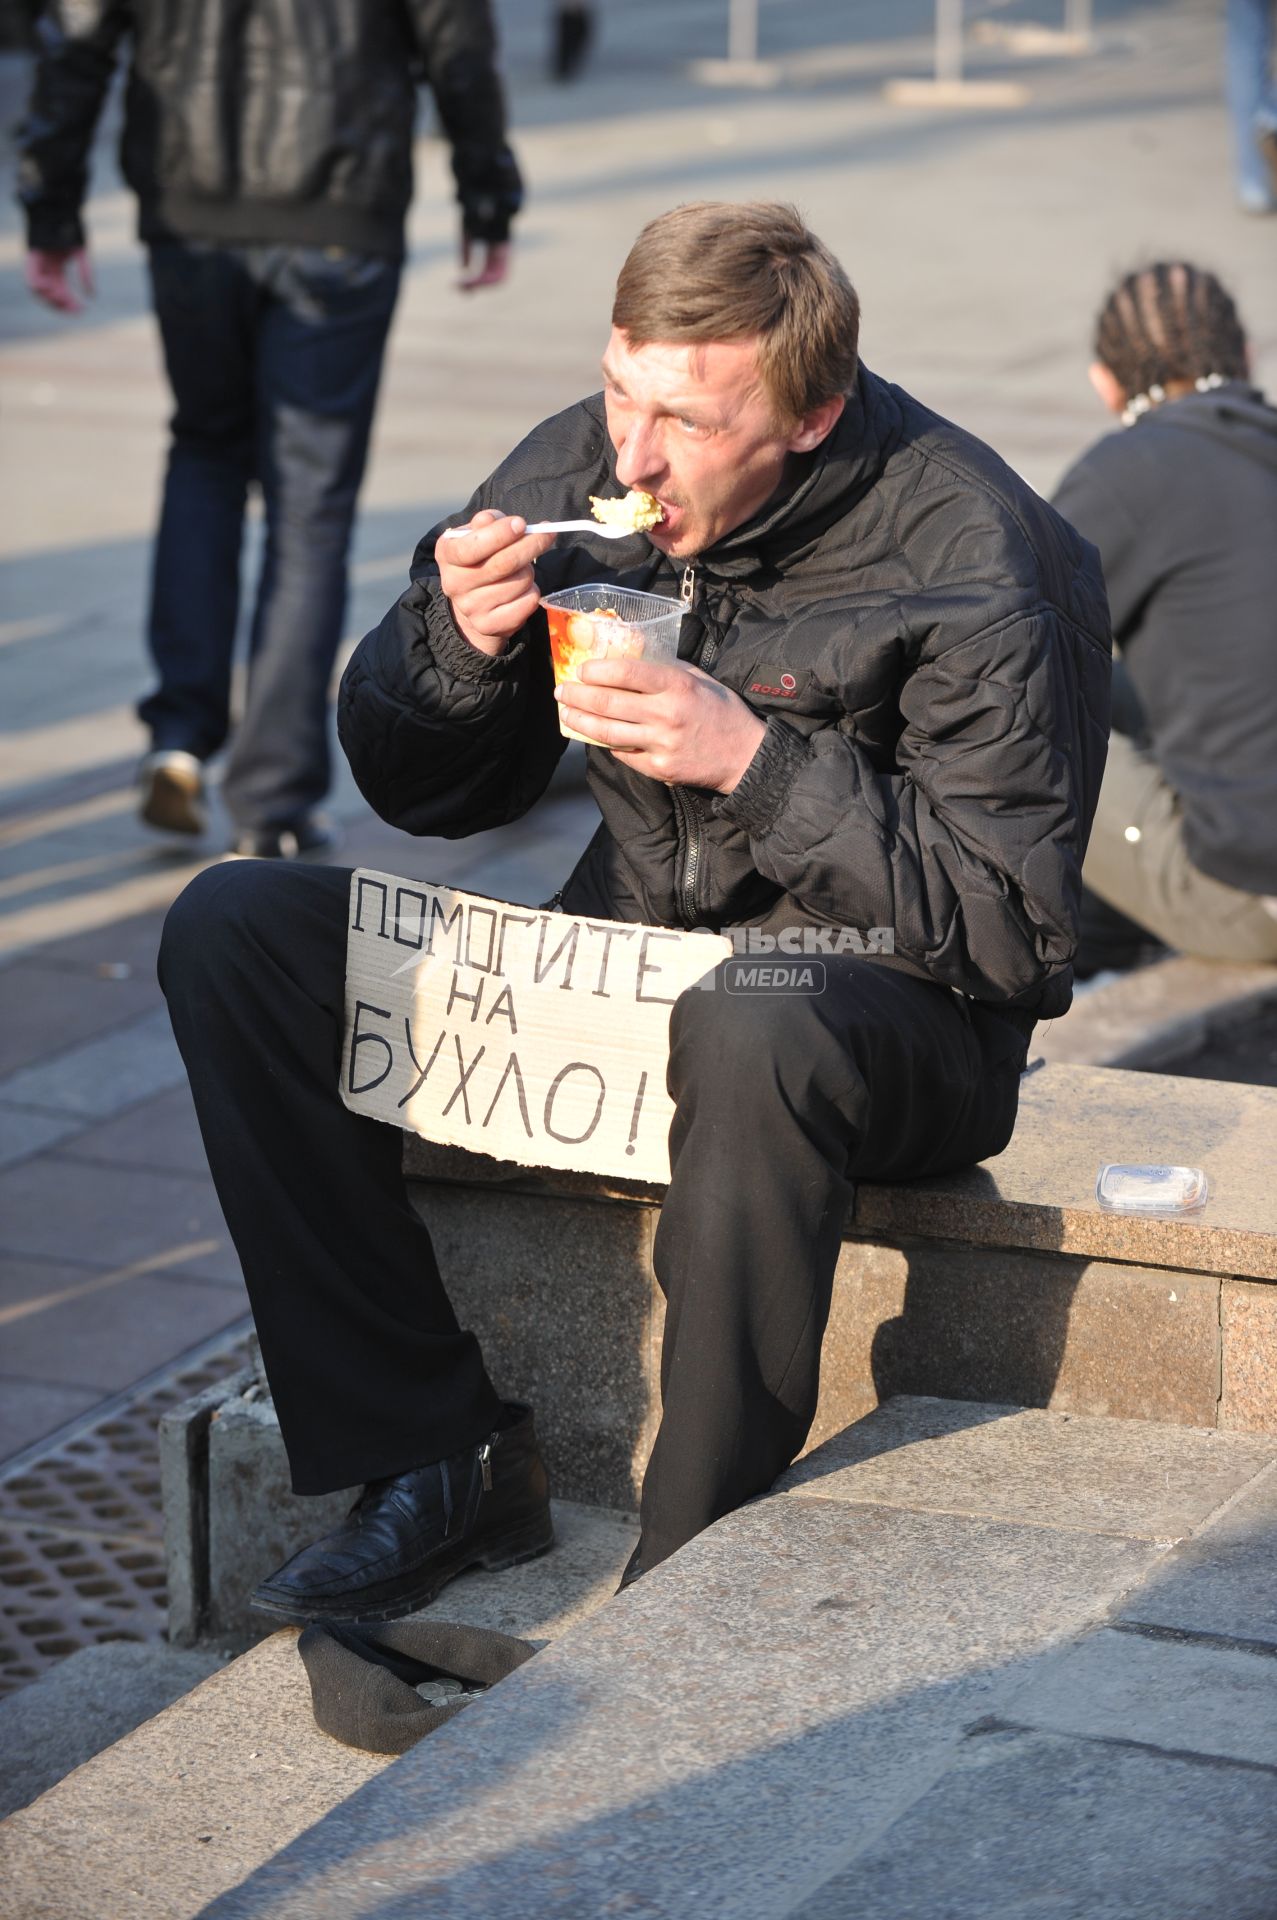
1137 862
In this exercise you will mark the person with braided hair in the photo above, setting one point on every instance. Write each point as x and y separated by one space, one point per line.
1183 508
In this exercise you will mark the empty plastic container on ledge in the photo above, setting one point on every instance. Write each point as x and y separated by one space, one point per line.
1127 1189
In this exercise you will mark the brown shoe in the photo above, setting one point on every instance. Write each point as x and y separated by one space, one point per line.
172 791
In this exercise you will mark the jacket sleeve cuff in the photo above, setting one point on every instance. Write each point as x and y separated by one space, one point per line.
490 189
454 653
758 798
52 232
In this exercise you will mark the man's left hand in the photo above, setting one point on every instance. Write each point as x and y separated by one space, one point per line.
484 263
673 723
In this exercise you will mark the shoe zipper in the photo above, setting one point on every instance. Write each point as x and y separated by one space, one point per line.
485 1465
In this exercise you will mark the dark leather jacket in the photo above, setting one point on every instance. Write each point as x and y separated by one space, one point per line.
927 641
252 120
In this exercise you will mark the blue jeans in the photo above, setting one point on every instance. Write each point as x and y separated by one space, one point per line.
274 356
1252 99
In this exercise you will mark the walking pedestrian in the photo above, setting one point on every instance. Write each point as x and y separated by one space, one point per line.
270 149
572 27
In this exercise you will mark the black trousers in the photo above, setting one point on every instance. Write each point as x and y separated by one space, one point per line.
781 1103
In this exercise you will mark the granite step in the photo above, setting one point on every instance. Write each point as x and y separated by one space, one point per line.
961 1653
86 1703
204 1792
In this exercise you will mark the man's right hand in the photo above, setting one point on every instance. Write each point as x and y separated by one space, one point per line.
487 575
48 278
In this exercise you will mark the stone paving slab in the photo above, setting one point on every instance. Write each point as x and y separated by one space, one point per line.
43 1016
86 1214
160 1135
101 1076
25 1131
130 942
1033 1824
1225 1580
792 1679
1178 1695
103 1329
29 1409
1034 1467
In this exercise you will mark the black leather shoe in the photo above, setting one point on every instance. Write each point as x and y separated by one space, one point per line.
307 837
406 1537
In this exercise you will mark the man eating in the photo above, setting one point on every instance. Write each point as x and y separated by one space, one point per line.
890 710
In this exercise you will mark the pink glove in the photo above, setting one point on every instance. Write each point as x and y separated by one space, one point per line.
493 267
48 278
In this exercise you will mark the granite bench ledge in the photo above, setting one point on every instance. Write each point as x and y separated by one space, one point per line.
1040 1194
1006 1282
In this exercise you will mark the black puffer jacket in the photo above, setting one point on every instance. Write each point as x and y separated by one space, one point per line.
934 768
256 120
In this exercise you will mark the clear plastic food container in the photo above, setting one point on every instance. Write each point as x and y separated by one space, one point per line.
593 622
1131 1189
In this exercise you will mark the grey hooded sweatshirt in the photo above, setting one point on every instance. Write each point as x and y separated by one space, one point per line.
1183 508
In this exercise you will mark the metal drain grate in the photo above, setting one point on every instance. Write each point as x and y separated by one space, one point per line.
62 1593
81 1532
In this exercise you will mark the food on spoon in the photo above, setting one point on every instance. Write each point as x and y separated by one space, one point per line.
638 511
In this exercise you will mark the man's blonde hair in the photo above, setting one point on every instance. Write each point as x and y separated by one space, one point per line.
715 270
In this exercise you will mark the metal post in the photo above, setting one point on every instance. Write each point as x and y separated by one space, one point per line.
949 89
742 67
742 31
948 41
1077 19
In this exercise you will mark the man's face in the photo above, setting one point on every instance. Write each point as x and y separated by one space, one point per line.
694 427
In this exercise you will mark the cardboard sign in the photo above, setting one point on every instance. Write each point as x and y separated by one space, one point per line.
530 1035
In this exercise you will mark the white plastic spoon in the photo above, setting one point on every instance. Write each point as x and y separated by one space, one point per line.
560 526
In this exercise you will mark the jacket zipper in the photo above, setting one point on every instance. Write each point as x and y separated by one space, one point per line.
687 593
684 806
690 821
